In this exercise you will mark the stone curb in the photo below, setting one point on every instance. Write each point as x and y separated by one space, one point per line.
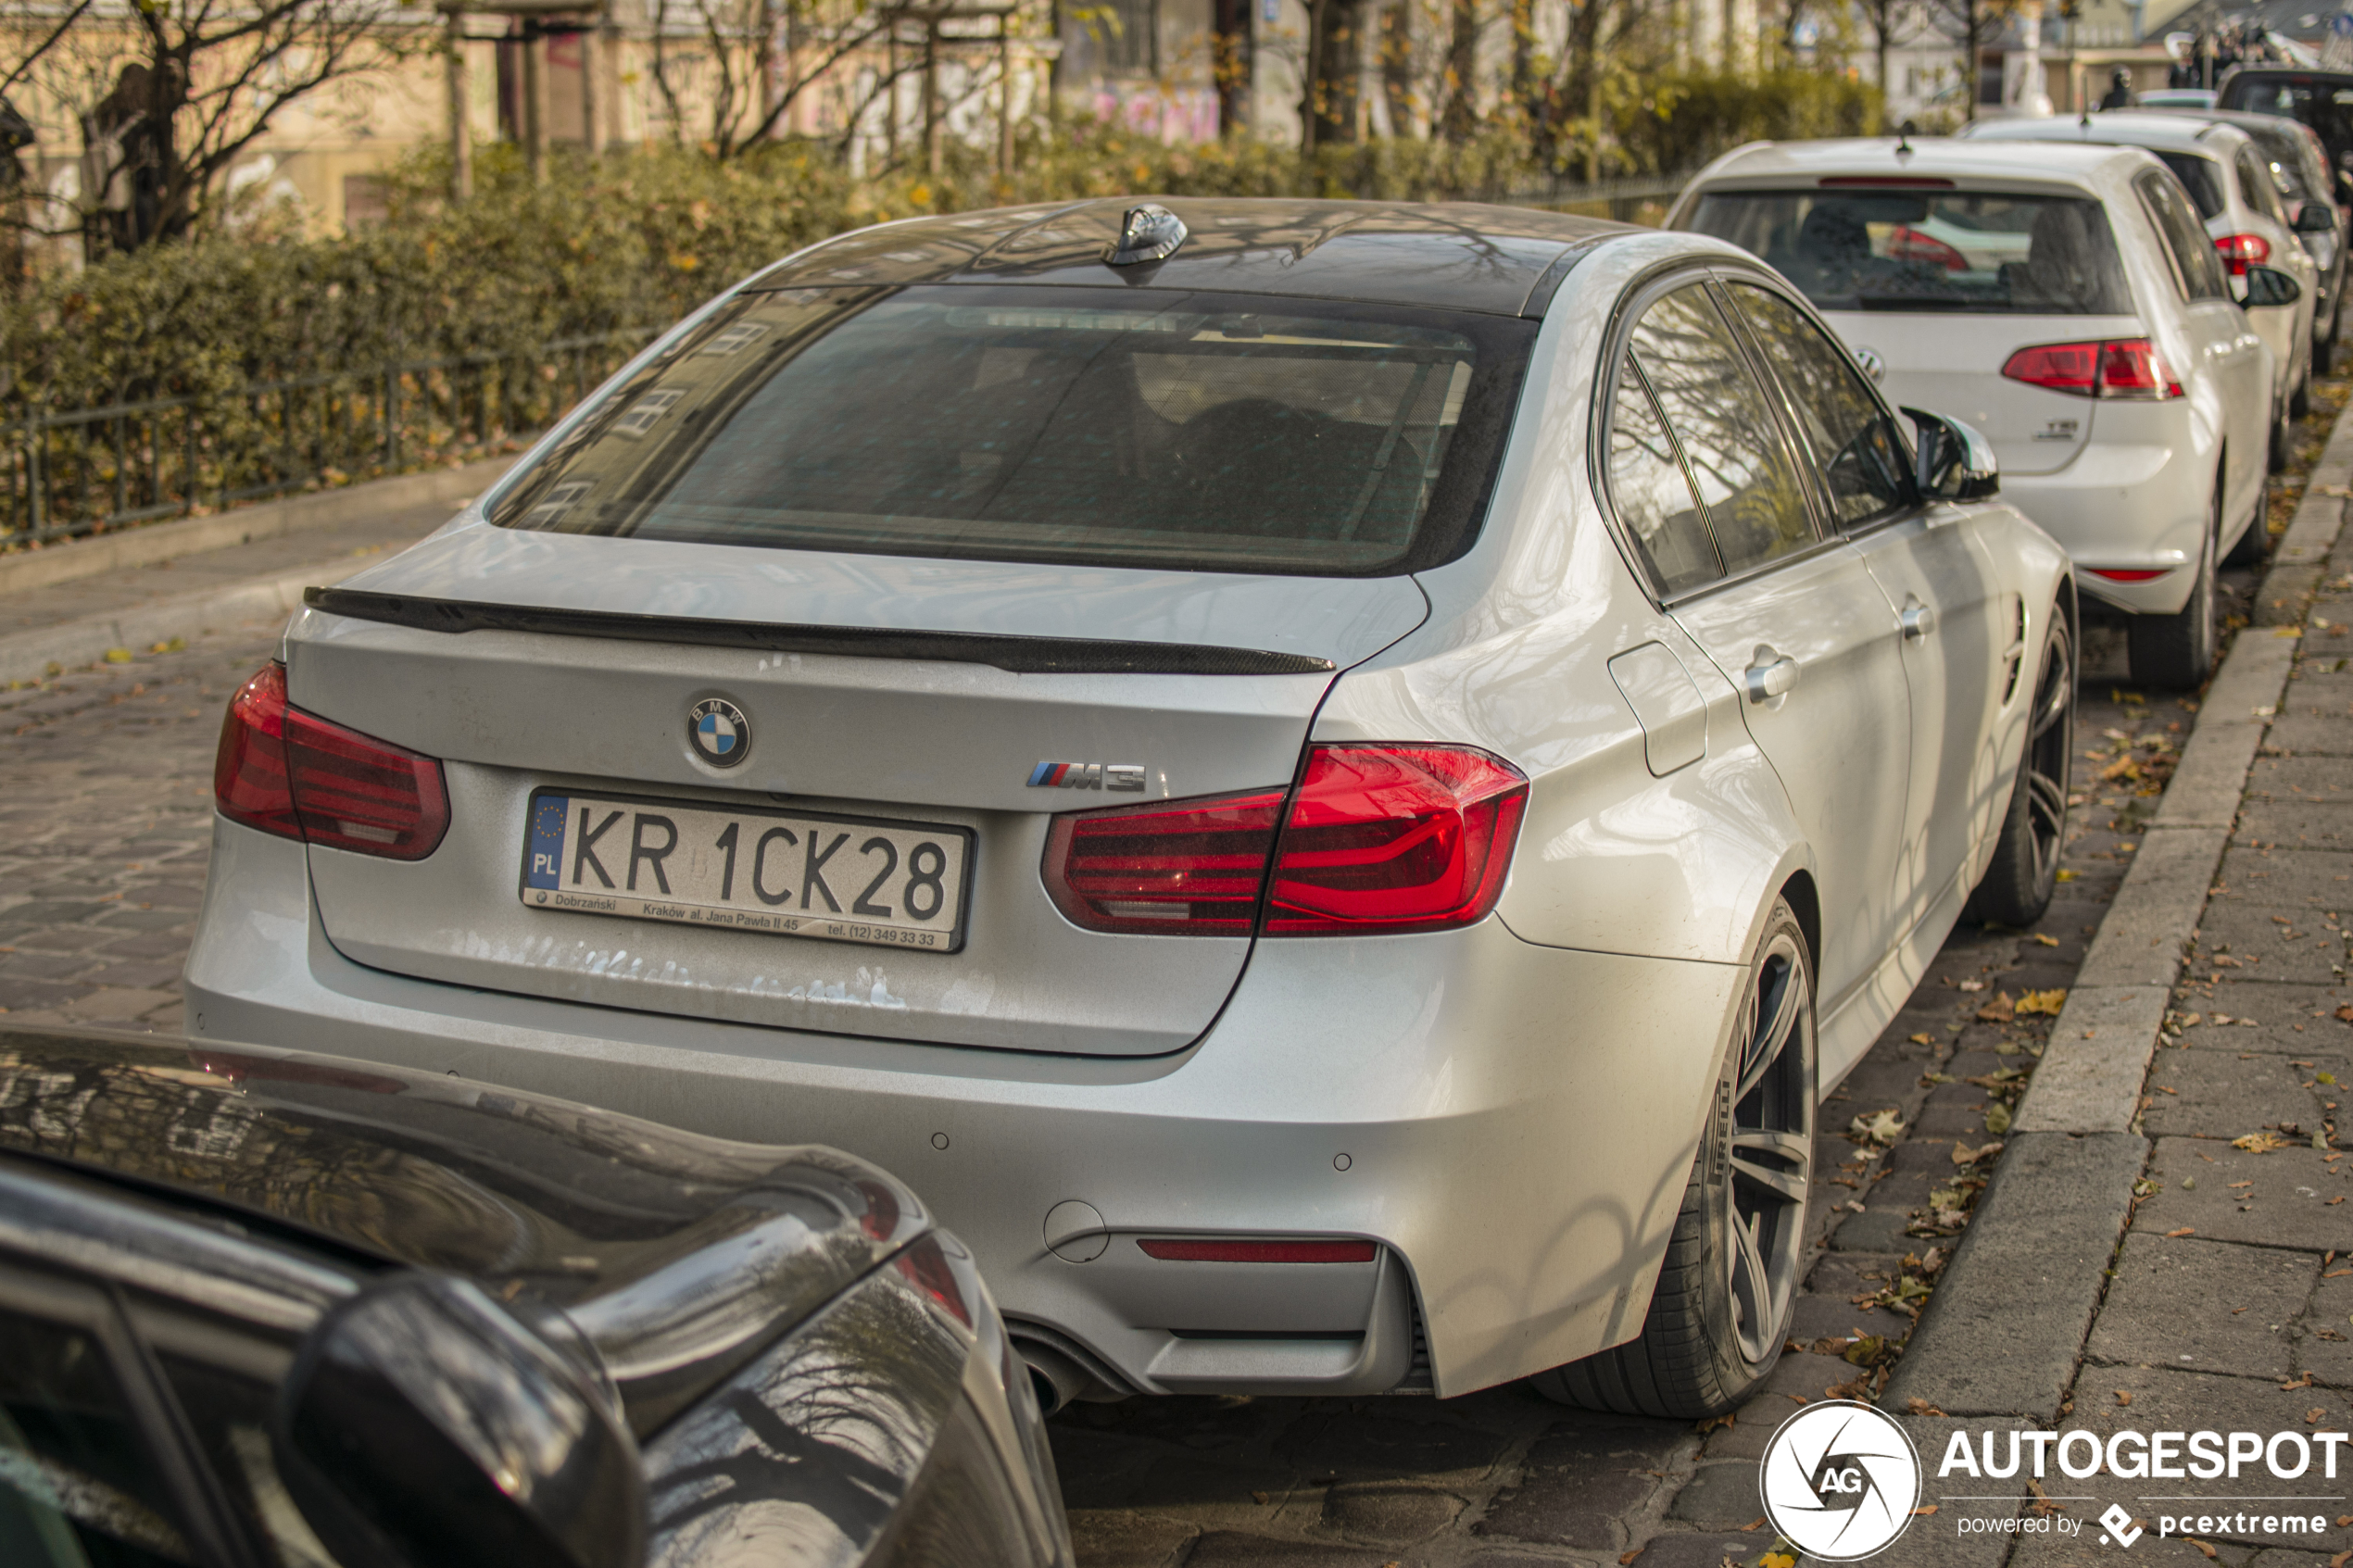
2002 1334
167 541
26 656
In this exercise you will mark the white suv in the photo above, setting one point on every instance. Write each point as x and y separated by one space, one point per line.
2066 302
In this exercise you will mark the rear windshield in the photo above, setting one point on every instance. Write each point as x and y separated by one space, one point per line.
1197 430
2281 151
2202 177
1965 251
2323 104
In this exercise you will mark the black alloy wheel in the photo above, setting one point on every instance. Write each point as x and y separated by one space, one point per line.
2019 880
1727 1286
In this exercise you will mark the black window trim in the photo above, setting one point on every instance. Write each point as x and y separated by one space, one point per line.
1618 344
2142 183
37 1287
1777 390
1641 386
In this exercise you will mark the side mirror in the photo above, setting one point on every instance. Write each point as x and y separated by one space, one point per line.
2269 286
1955 462
2316 217
424 1427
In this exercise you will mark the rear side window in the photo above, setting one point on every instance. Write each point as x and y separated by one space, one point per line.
1854 443
2291 159
2202 177
1965 251
2254 184
1138 428
78 1487
1650 492
1713 402
2195 264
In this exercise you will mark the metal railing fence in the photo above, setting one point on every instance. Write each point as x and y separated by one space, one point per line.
1621 196
79 471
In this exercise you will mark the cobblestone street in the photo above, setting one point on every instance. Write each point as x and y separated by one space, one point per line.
106 822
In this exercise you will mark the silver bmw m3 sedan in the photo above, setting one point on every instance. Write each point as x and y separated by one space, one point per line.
1331 782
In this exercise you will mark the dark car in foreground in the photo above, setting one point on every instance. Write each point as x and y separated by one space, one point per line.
279 1310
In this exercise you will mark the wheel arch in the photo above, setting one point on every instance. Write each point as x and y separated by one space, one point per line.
1806 902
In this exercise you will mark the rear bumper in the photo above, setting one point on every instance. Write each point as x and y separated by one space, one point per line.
2131 507
1512 1125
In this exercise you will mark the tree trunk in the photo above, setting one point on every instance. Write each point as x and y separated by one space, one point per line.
1459 121
1881 20
1524 61
1230 59
1331 86
1397 65
1970 66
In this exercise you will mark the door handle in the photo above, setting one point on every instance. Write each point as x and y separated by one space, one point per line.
1918 619
1770 675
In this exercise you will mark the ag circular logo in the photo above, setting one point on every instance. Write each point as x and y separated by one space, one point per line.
719 732
1840 1480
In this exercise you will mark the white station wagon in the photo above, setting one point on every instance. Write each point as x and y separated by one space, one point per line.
2066 302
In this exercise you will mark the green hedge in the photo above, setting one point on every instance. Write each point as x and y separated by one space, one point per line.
600 252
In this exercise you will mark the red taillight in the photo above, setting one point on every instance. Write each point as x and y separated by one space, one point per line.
1182 867
1910 244
293 774
2127 366
927 1268
2128 574
1379 838
2058 367
2242 251
1395 838
2132 367
1260 1251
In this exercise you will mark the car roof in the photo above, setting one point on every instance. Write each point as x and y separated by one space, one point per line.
2276 72
1764 163
2155 129
432 1171
2250 120
1464 256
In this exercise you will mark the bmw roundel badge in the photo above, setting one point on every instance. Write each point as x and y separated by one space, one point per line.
719 732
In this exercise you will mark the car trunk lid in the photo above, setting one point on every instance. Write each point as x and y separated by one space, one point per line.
1952 365
877 691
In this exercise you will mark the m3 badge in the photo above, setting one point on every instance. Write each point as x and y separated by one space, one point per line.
1120 778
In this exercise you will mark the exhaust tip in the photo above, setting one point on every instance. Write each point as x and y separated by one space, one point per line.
1057 1379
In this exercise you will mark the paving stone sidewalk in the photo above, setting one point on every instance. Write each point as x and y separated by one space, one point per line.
2230 1306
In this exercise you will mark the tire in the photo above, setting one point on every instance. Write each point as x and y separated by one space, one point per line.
2300 402
2324 350
2277 458
1728 1288
2018 881
2176 652
2253 546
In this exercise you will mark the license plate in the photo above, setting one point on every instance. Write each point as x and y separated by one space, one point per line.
789 873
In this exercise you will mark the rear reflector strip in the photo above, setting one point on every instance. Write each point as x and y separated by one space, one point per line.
1171 1251
2126 575
1024 656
